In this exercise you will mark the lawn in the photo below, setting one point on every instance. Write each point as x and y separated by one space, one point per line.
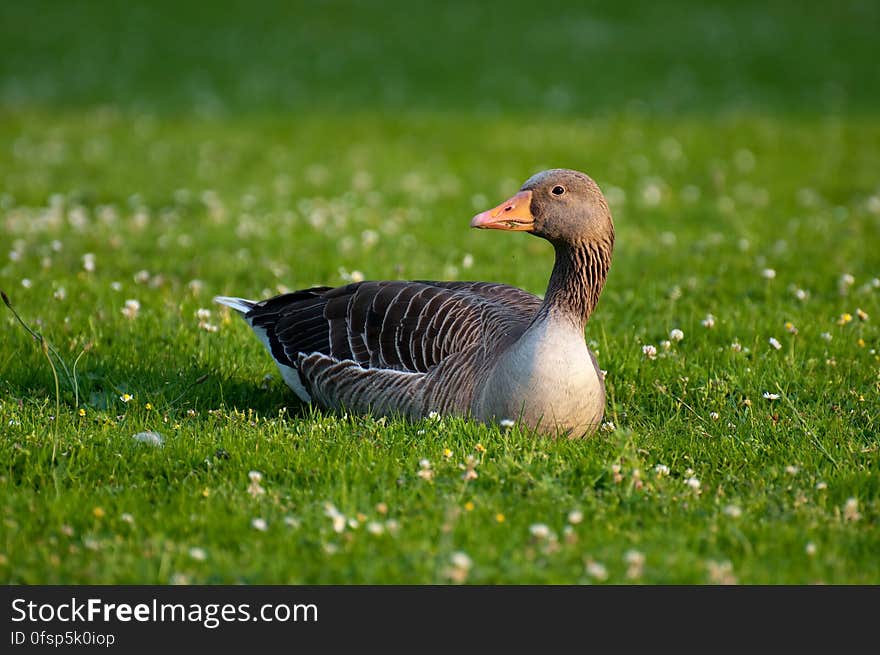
153 155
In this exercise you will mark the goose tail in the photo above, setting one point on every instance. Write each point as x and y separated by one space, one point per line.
240 305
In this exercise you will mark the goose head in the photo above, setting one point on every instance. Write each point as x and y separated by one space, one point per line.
563 206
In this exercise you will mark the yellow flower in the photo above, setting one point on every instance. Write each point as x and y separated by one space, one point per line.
126 397
469 506
149 406
499 517
447 453
206 492
480 448
845 318
82 412
861 343
98 512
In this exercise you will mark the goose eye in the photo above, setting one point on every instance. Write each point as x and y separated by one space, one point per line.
557 190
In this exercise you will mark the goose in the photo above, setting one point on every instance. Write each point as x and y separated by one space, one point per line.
483 350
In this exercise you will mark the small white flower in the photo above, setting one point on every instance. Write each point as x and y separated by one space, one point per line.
851 510
291 522
768 273
88 261
800 294
149 437
26 283
597 570
539 530
608 426
506 423
733 511
791 470
676 335
693 483
433 416
460 560
708 322
821 486
357 276
127 518
142 277
203 314
736 347
661 470
467 261
810 549
575 516
714 416
375 528
259 524
649 351
773 341
770 396
666 344
198 554
132 309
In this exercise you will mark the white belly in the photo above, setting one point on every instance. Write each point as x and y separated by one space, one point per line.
548 381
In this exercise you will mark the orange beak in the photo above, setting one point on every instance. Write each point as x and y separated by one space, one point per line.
514 214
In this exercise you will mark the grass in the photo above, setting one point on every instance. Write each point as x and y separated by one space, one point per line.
246 157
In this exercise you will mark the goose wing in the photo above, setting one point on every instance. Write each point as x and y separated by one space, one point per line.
399 326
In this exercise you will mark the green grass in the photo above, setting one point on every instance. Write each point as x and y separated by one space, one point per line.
255 151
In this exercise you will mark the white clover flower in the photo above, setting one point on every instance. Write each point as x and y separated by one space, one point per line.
131 309
810 549
461 560
736 347
774 342
467 261
714 416
506 423
649 351
149 437
768 273
770 396
375 528
539 530
851 510
88 261
676 335
259 524
597 570
733 511
693 483
198 554
661 470
357 276
608 426
575 516
708 322
666 344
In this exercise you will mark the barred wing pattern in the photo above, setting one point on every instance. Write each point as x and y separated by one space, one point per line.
408 347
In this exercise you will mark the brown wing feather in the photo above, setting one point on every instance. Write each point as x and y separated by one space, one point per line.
404 326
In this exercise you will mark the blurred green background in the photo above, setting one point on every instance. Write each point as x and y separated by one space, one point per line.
580 59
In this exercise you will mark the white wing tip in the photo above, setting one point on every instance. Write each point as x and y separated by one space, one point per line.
238 304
